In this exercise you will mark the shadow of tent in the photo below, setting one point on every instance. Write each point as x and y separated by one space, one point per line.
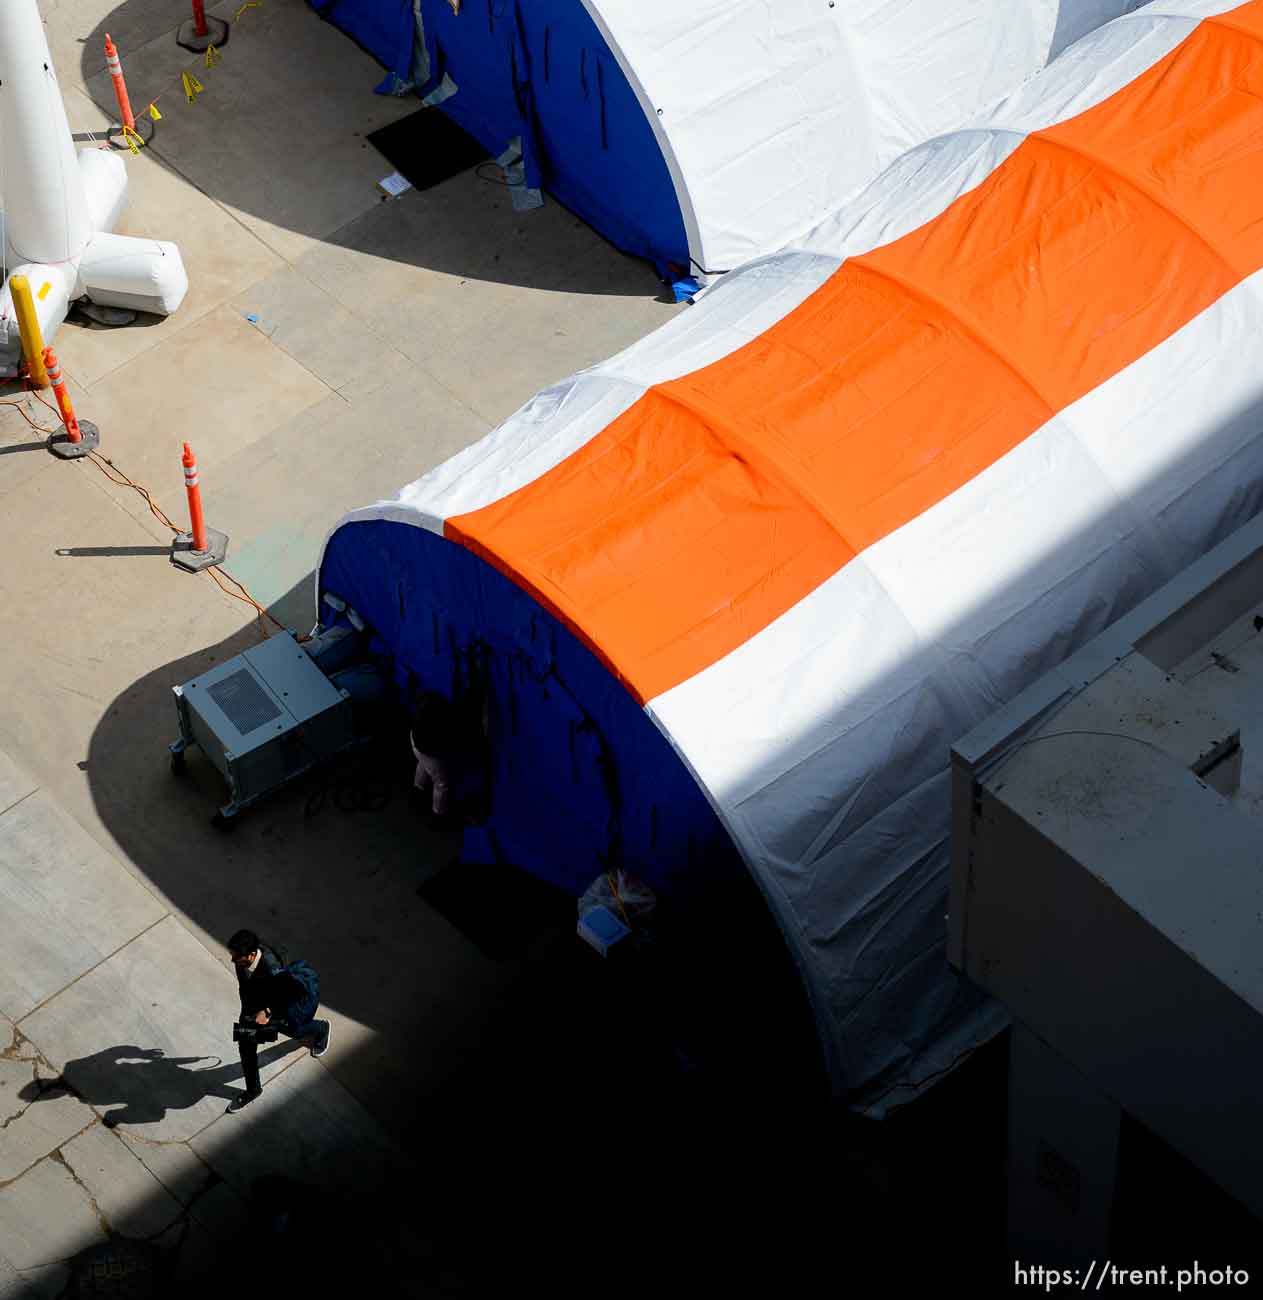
554 1061
344 888
286 1233
335 888
464 227
524 1057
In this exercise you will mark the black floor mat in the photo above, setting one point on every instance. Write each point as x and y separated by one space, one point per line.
500 909
427 147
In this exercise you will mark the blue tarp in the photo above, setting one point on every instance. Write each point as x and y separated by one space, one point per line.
382 27
580 780
541 71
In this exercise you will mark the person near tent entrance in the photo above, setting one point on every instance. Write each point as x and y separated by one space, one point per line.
434 740
451 746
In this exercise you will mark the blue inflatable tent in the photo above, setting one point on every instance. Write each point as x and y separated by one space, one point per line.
579 780
702 133
540 72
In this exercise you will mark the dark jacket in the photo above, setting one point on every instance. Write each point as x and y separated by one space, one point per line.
267 989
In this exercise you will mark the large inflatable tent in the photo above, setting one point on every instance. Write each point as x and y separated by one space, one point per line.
703 134
741 586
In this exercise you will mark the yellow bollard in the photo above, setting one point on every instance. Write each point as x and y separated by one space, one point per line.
28 325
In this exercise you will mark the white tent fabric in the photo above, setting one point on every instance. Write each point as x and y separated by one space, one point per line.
771 113
822 738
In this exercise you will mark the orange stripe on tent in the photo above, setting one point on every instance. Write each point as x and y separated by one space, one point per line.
721 499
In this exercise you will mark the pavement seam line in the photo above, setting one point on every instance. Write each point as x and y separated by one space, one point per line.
14 1045
59 1157
280 347
209 1179
54 1155
19 1039
328 238
66 987
211 1123
18 487
359 320
187 322
186 1211
103 481
182 1209
118 500
331 238
488 425
55 1082
23 799
227 211
40 1096
307 370
104 105
160 1142
110 853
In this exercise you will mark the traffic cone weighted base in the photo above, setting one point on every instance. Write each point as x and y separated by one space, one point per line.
144 128
111 317
89 440
217 30
183 554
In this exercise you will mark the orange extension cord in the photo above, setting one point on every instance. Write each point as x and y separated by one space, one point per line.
116 476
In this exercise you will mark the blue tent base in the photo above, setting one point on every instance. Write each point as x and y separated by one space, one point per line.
539 72
685 289
577 779
393 86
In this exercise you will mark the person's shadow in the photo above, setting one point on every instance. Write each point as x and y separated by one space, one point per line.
146 1083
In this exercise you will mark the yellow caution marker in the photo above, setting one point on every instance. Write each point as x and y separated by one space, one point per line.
213 56
249 4
192 86
133 139
153 112
28 327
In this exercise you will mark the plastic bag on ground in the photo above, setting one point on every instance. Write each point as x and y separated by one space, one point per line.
621 893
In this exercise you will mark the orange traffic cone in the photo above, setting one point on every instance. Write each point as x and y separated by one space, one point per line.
201 547
79 436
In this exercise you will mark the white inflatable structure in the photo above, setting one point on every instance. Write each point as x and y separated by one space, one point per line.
58 206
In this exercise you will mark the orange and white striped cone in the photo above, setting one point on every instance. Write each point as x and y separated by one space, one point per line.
202 30
78 437
131 132
201 547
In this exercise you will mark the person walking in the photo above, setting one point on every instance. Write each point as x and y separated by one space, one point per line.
273 992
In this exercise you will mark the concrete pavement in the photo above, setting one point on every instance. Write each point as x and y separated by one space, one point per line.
388 335
112 1113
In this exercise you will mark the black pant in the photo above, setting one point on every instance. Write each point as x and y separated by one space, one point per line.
249 1049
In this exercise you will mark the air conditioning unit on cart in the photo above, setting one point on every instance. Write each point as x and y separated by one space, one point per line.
263 718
